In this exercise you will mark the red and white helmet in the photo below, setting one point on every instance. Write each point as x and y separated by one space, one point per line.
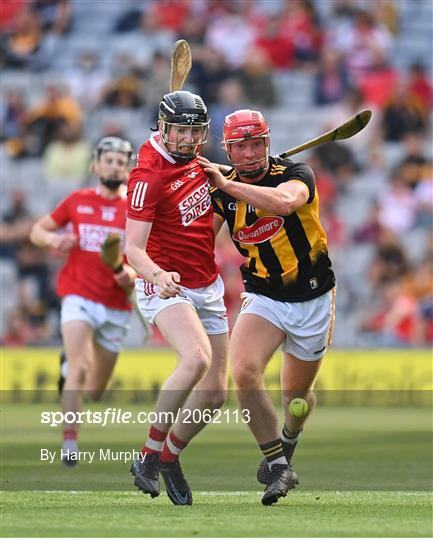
240 126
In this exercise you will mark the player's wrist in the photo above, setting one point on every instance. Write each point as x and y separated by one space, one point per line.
156 274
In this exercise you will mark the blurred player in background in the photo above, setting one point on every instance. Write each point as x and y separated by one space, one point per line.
170 243
95 308
271 207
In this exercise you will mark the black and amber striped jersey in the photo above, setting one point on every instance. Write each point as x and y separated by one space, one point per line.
286 257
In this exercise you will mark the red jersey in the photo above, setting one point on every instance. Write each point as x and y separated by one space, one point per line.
92 217
175 198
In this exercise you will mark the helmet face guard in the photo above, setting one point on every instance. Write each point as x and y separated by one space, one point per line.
246 125
183 125
197 133
118 145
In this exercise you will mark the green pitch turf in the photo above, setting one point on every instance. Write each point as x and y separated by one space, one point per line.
231 514
364 472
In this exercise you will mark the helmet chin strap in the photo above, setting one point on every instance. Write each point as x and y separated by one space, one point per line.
255 172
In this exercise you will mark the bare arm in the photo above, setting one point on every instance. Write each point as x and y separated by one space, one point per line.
44 233
136 237
282 200
217 223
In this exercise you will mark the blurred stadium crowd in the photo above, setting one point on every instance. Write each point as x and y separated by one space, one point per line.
77 70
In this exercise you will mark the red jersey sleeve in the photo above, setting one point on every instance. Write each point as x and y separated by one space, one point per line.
61 214
145 192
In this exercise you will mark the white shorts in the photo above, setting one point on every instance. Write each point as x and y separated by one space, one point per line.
110 325
208 302
308 325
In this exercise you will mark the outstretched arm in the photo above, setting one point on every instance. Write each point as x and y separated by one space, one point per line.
282 200
44 233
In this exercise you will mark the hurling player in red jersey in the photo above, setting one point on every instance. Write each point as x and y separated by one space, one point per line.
95 307
170 243
271 207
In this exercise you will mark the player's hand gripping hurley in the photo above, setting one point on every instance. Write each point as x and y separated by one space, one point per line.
112 256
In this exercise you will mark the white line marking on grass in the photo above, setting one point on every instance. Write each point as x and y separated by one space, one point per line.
235 493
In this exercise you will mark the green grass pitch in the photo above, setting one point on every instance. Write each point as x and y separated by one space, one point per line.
363 472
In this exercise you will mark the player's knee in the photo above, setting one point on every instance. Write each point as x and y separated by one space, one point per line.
245 376
196 364
76 375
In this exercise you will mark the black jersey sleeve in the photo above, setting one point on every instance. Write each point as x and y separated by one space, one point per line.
301 171
217 204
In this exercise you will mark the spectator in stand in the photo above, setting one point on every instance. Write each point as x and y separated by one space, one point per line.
8 13
389 262
86 79
32 266
67 158
397 321
325 182
129 19
156 81
397 205
256 78
231 96
124 92
339 160
420 87
43 120
193 30
22 45
424 291
376 84
12 123
404 114
368 139
232 36
300 21
331 80
385 12
424 198
16 223
18 331
336 229
276 44
369 232
363 42
55 15
208 73
413 162
171 14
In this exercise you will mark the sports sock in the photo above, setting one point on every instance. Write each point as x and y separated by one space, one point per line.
172 448
289 441
70 440
154 442
64 365
273 453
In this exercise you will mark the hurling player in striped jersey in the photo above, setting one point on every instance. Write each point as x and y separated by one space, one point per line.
271 207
